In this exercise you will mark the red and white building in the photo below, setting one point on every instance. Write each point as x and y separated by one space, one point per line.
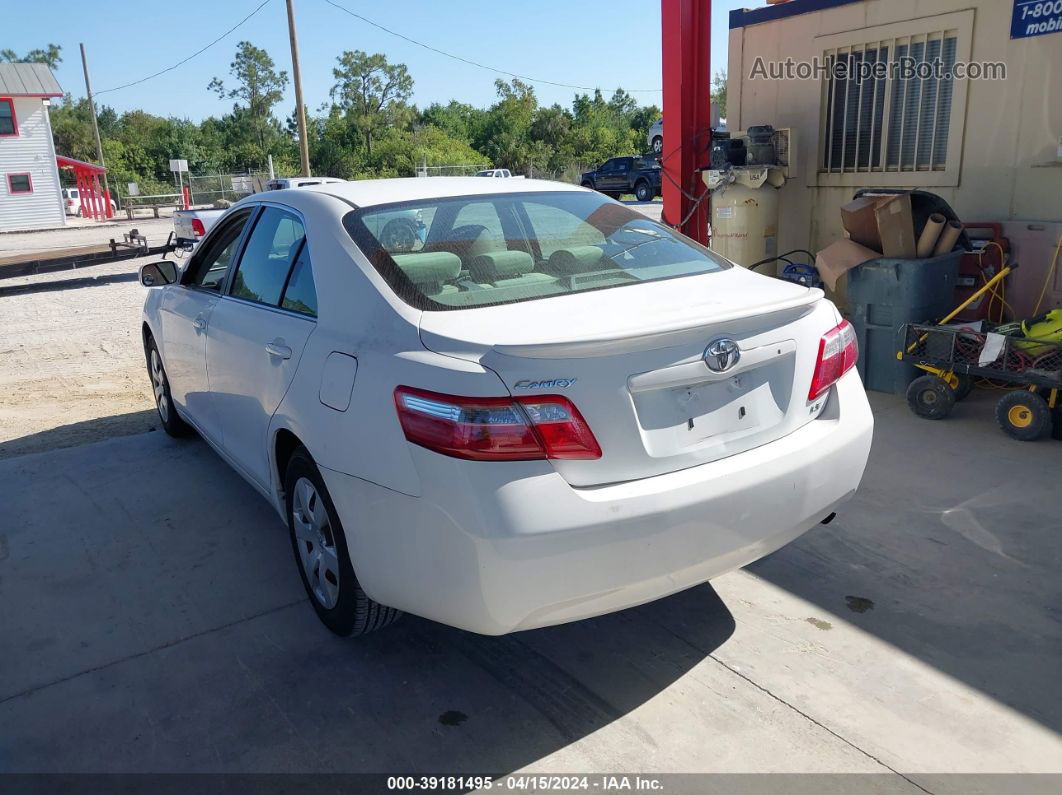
30 190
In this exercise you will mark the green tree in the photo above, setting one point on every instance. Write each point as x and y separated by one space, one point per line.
457 119
719 92
72 128
371 92
259 87
50 55
506 136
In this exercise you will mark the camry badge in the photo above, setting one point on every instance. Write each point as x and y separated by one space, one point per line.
550 383
721 354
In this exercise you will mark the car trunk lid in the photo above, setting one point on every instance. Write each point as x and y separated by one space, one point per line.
633 360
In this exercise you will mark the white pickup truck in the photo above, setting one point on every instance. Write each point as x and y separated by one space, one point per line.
502 173
190 226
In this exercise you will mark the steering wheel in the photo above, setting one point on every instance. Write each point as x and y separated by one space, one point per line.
399 235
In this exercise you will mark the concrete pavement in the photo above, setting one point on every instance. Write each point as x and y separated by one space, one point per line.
152 619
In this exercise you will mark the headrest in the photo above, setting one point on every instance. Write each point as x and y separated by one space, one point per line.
569 261
432 268
495 265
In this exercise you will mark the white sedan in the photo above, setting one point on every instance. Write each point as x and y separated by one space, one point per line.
503 405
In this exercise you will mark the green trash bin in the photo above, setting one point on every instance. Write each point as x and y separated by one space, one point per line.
885 293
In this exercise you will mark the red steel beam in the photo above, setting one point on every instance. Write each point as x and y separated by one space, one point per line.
686 47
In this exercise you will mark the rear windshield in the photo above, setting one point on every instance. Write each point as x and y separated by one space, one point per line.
471 251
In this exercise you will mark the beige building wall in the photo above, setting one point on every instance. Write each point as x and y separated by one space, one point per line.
1010 129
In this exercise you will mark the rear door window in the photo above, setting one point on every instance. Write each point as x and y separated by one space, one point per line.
479 221
300 294
268 256
555 228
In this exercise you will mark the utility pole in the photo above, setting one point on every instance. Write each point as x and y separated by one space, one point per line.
96 128
300 109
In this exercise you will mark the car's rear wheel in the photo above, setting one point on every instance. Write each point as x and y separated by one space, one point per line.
320 547
160 388
643 191
658 144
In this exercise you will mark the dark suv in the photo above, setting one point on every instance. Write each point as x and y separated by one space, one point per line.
637 175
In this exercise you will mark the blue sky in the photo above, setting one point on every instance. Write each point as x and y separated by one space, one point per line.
604 43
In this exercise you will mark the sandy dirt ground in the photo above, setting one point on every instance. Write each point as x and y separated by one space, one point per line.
71 359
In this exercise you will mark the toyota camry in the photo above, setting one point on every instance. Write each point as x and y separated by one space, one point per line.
502 404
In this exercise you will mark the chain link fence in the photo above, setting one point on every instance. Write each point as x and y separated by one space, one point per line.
459 170
210 188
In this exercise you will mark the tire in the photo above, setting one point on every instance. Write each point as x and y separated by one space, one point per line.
964 388
658 144
643 191
160 386
1024 416
929 396
321 555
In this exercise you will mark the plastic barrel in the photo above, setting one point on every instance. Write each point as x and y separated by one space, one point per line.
885 293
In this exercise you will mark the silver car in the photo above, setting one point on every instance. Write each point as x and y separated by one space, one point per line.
655 138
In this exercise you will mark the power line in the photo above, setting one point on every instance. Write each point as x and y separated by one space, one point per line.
477 64
190 57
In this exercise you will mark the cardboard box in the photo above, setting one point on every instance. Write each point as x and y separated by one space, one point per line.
895 226
859 221
838 258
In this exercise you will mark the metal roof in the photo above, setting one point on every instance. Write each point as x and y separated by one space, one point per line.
28 80
78 165
740 18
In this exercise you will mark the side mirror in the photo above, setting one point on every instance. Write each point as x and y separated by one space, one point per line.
158 274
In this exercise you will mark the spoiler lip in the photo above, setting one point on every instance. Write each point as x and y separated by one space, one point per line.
607 344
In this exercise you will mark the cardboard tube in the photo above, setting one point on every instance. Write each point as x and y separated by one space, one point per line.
947 239
928 239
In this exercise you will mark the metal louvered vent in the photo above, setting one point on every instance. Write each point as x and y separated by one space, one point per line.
889 110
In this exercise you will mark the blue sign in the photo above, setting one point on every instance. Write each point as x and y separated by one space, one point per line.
1035 18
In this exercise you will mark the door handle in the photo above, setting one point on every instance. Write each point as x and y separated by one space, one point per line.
199 323
278 350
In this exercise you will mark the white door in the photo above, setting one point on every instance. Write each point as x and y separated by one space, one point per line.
256 336
184 313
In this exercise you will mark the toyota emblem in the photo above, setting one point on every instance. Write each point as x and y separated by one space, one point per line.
721 355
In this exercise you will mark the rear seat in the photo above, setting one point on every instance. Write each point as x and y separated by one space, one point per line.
578 259
506 268
502 275
431 271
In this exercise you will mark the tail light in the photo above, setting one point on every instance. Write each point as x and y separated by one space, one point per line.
495 429
69 202
197 228
838 351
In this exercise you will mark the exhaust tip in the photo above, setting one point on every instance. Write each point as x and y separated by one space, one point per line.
829 518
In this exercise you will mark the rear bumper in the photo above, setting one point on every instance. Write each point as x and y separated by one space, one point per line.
493 549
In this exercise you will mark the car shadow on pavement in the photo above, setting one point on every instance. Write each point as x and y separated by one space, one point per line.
67 284
161 625
949 551
78 433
